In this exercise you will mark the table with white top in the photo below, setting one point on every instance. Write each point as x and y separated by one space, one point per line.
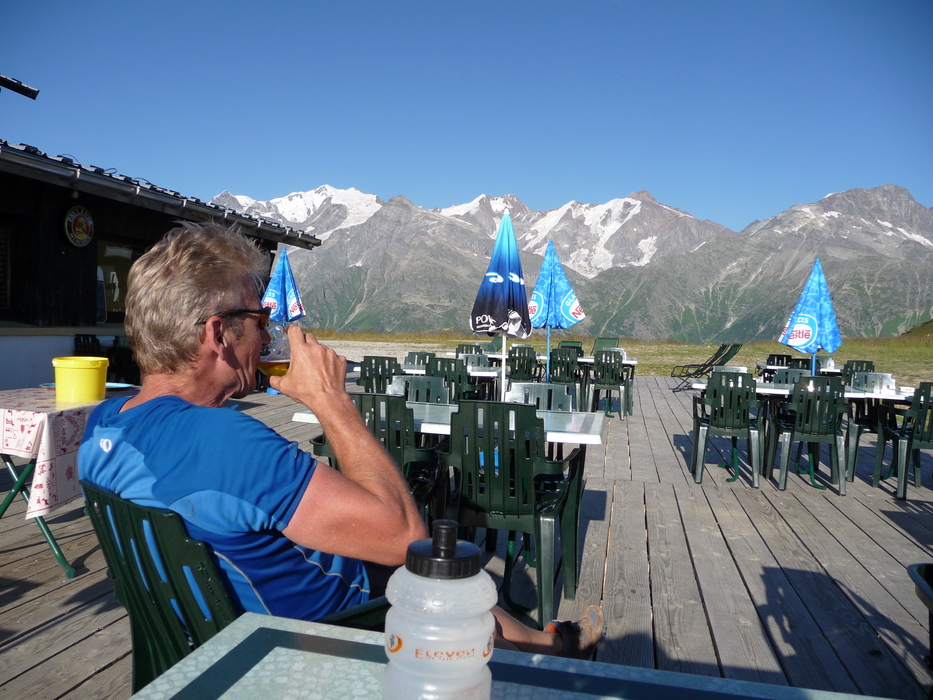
37 427
261 656
902 394
563 427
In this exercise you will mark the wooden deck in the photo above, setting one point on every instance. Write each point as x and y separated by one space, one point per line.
801 588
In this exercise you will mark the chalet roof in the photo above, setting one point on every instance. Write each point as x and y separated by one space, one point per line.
29 161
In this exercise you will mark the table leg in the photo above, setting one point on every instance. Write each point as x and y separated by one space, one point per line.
19 487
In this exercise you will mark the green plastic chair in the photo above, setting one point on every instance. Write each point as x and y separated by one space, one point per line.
865 416
376 373
610 375
687 373
778 360
544 397
813 414
469 349
790 375
523 364
170 586
392 423
495 345
505 482
853 366
566 369
455 375
914 433
477 359
576 345
728 408
416 357
420 389
604 343
167 582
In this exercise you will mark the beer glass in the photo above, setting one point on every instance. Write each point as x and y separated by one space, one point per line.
275 357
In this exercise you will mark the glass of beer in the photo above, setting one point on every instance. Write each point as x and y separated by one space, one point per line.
275 357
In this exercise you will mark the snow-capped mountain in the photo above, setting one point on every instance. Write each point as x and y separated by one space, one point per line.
639 267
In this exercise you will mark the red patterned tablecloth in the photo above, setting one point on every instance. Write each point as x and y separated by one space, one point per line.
35 425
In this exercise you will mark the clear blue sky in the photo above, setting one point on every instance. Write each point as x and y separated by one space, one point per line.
732 111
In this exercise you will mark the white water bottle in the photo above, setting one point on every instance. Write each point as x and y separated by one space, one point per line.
439 630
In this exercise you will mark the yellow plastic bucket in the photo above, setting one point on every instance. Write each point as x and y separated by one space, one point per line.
80 378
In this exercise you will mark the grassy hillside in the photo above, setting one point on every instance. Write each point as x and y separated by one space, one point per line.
908 357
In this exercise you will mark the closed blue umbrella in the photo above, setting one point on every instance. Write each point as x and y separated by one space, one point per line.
282 293
812 326
553 304
501 306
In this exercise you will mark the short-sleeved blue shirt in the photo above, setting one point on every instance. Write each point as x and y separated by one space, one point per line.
237 483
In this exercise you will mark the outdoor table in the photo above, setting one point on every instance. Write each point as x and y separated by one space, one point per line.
560 427
591 359
261 656
766 370
48 433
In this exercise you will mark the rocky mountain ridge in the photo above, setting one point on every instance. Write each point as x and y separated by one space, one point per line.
640 268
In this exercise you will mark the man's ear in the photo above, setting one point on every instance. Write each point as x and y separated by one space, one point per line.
215 334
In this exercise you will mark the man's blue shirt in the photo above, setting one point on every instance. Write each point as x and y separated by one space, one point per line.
237 483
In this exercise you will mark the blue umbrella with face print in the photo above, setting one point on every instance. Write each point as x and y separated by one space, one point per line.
282 293
812 325
553 304
501 306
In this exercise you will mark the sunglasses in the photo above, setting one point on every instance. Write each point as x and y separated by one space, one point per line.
262 321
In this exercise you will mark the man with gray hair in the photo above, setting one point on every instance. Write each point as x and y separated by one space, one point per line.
293 537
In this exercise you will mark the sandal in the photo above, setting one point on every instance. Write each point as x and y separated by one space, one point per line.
580 638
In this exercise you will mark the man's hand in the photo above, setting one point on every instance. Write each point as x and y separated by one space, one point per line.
316 375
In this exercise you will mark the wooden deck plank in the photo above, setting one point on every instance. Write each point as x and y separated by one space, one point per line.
742 645
627 594
683 640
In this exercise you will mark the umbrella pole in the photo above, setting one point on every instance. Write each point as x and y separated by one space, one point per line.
813 364
505 354
548 377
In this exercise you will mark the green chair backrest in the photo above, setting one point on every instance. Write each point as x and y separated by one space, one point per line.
609 369
428 390
499 449
775 359
853 366
565 369
920 417
469 349
495 345
87 344
523 364
868 380
818 404
789 375
376 373
475 359
548 397
604 343
415 357
455 375
421 389
167 581
729 400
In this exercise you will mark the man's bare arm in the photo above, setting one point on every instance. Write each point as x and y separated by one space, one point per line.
364 511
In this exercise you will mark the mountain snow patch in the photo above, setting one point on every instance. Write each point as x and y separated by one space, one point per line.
648 247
